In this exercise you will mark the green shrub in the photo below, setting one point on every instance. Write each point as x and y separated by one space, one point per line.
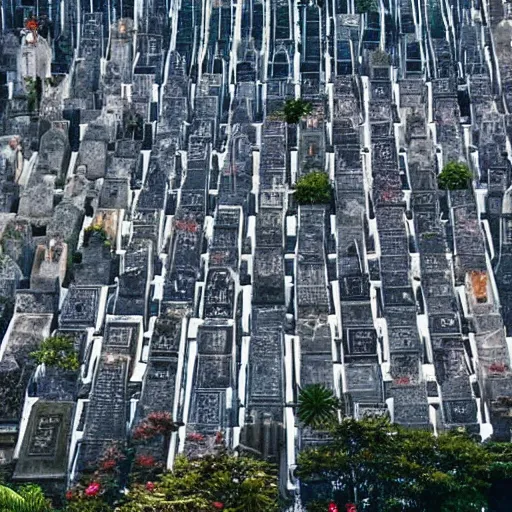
221 482
454 176
58 352
294 110
313 188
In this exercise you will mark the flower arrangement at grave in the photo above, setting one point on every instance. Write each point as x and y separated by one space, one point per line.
195 437
155 424
97 230
32 25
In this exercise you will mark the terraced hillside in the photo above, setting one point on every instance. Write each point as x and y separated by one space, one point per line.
148 213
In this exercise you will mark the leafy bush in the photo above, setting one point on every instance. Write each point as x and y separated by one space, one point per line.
211 483
317 406
294 110
59 352
454 176
313 188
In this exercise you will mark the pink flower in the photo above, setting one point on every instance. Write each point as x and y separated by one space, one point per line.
350 507
219 438
150 486
195 437
93 489
218 505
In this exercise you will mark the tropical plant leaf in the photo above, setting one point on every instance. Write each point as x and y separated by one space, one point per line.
317 406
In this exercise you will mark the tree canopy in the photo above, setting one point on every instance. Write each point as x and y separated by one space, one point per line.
294 110
383 467
313 188
454 176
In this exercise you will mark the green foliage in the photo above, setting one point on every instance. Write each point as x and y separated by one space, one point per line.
294 110
31 86
363 6
240 484
59 352
60 182
380 58
88 505
50 81
76 257
397 469
317 406
454 176
313 188
13 232
28 498
501 453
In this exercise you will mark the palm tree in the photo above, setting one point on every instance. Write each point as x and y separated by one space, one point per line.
317 406
30 498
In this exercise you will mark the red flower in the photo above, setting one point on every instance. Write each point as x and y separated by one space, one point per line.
157 423
161 422
350 507
31 24
108 464
219 438
93 489
69 495
143 431
146 461
195 437
150 486
218 505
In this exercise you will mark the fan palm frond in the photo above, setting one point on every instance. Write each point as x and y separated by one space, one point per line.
317 406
